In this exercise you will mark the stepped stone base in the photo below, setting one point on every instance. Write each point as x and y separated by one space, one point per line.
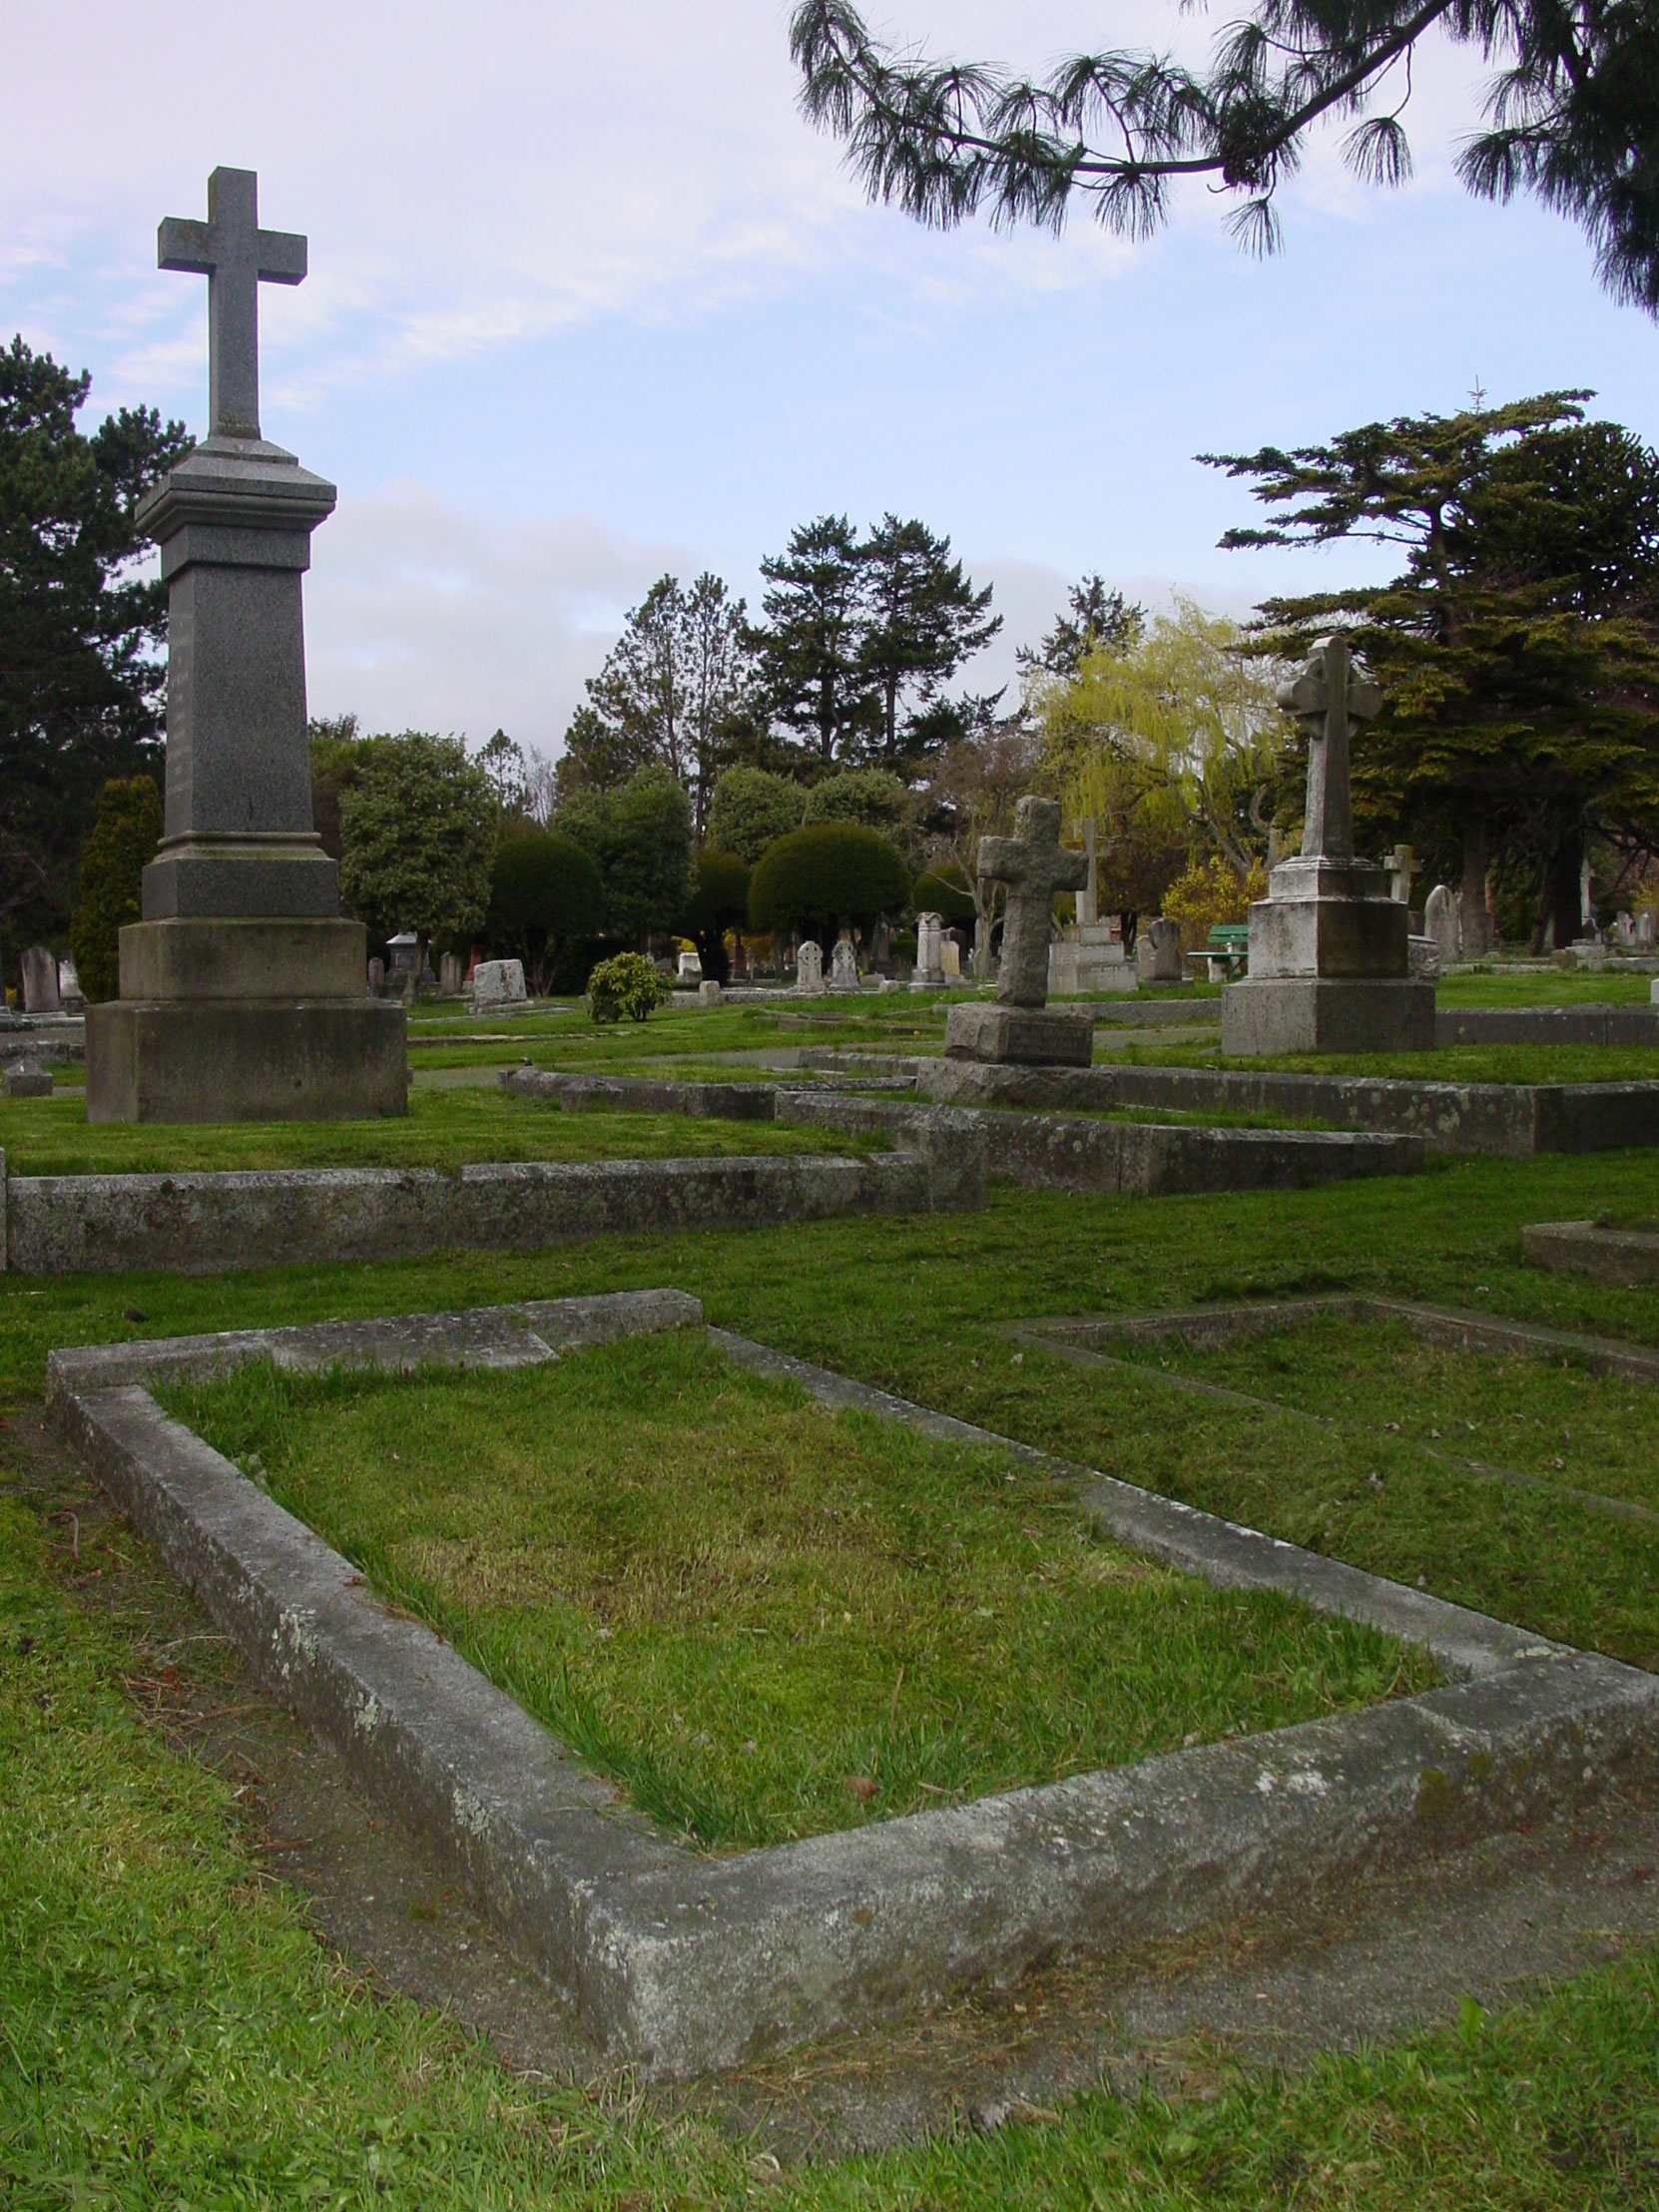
1030 1036
1309 1013
246 1059
270 958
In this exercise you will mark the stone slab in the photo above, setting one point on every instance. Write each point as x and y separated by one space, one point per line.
173 1060
1612 1025
1515 1119
685 1964
1041 1035
1263 1016
1062 1152
230 958
1626 1256
642 1094
197 1224
1328 938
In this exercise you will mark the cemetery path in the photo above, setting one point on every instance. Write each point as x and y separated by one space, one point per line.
1382 1960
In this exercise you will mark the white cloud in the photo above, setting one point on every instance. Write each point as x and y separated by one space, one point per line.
418 614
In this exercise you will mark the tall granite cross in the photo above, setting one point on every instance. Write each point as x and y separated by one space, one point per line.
1034 866
1328 693
235 256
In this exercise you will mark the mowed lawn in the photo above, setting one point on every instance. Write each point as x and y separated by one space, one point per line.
174 2032
762 1618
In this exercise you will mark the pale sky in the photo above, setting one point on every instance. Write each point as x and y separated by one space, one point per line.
589 300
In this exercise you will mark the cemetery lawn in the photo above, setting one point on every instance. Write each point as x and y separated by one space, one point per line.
444 1129
1454 1063
760 1618
176 2033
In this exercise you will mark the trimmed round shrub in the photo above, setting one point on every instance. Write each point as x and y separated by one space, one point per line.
946 895
122 845
545 896
749 808
827 876
625 984
719 902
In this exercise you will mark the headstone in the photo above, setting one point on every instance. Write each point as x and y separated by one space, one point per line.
808 968
1440 922
40 980
1158 953
69 994
708 992
1330 966
929 973
880 946
451 974
497 983
690 969
1033 866
1423 958
242 990
376 975
25 1079
1402 866
950 960
1644 930
843 967
1586 909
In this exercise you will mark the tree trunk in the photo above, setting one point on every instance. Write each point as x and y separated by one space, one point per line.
1472 902
1564 896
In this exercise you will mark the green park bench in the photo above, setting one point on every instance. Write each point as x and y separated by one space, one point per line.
1227 950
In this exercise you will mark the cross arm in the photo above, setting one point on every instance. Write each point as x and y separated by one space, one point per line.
282 257
1002 858
181 244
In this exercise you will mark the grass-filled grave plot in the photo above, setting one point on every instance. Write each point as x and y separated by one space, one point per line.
1521 1480
760 1618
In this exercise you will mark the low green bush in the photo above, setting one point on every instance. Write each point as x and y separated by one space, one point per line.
627 984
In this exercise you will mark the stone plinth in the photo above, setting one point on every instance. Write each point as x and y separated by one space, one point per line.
1027 1035
245 1060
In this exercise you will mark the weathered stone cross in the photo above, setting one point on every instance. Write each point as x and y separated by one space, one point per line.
1325 695
235 256
1034 866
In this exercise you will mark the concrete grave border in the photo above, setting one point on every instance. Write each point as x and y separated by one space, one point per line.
1627 1256
199 1223
686 1963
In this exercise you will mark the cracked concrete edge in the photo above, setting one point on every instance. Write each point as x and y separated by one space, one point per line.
687 1964
1222 1552
197 1223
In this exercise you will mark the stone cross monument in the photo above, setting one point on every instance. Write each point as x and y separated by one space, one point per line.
243 992
1329 956
1032 864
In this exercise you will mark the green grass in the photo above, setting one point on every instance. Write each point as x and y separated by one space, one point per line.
1501 987
175 2034
444 1129
1554 1419
1456 1063
731 1600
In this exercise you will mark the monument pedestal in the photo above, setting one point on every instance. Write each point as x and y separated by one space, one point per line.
1329 967
1026 1035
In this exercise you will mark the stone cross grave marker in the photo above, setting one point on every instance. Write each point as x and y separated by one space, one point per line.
235 256
1033 866
1328 694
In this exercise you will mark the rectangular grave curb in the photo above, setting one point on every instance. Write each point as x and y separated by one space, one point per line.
1627 1256
644 1094
1066 1152
687 1964
1514 1119
199 1223
1610 1025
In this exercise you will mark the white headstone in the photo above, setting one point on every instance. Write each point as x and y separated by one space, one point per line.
1158 951
451 973
929 971
708 993
376 975
690 968
69 984
808 968
1402 866
843 967
498 983
1440 922
1644 930
950 960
